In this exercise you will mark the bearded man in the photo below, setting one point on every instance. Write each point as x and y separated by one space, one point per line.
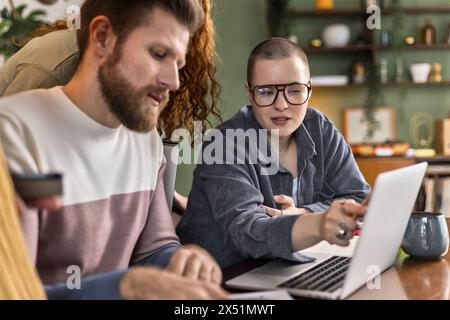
99 130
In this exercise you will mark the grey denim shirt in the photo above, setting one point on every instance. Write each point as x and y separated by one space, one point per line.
224 214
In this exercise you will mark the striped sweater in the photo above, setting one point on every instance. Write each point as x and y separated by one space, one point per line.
114 207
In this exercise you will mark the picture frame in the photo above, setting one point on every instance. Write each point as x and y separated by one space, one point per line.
355 128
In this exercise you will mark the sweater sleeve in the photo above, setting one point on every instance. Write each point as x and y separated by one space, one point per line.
160 257
158 230
235 202
102 286
106 285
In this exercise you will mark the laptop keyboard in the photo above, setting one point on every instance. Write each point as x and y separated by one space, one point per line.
327 276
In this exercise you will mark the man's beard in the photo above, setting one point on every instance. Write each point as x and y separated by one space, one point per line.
126 101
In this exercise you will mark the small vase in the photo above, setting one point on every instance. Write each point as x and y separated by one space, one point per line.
428 33
336 35
367 3
324 4
426 236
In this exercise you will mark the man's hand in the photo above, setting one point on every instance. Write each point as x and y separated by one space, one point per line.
339 221
49 204
287 207
145 283
195 263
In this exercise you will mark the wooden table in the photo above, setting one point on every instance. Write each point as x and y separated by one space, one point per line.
407 279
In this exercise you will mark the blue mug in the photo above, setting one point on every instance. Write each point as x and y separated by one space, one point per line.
426 236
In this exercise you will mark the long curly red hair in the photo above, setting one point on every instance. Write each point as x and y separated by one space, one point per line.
198 83
198 95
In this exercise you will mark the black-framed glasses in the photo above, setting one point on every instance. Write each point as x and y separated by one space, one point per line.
295 93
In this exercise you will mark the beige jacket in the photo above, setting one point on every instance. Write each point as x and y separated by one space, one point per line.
44 62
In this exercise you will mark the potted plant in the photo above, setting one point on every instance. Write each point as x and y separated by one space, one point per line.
375 96
374 100
15 26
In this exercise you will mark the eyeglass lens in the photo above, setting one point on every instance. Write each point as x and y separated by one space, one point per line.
294 93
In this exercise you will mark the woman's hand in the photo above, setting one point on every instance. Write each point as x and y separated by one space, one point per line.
340 220
287 207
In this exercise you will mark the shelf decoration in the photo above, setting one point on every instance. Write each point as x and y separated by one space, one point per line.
421 130
410 40
355 126
435 73
374 99
323 5
428 33
277 16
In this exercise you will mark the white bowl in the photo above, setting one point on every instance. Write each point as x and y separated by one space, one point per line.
420 72
336 35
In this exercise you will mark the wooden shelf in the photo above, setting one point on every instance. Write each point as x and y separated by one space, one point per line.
439 158
368 47
426 84
358 12
421 46
350 48
347 86
389 85
426 9
438 170
326 13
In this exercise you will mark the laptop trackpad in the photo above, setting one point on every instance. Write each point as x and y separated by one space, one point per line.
272 274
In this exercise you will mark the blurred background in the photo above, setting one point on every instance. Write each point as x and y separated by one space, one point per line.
380 71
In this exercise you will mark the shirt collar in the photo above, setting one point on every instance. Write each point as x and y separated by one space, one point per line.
306 148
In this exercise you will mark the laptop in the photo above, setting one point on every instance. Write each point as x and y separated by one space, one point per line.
337 276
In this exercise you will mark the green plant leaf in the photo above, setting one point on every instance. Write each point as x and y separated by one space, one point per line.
36 13
20 9
5 24
5 14
13 31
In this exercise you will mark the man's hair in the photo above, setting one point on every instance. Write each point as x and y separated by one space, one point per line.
125 16
274 49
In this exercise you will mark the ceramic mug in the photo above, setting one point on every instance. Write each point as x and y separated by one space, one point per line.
426 236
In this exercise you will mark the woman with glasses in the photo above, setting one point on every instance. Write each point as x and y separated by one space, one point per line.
240 209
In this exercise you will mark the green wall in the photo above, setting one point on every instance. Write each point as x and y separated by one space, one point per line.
240 25
408 100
